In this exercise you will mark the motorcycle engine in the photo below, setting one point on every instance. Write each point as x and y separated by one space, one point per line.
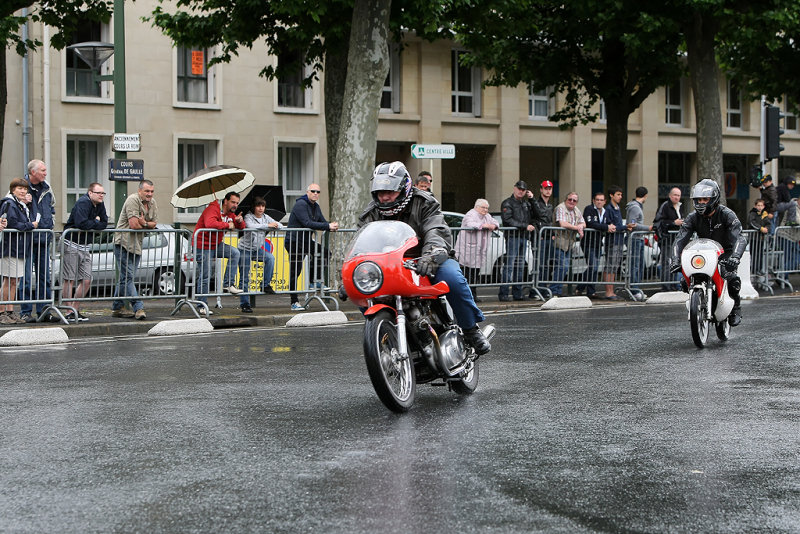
452 346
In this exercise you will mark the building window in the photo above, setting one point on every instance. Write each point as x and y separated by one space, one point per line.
465 86
195 81
193 155
84 164
734 110
602 116
539 102
291 93
390 97
789 118
674 109
80 81
295 163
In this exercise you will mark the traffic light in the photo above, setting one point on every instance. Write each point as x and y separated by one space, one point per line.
773 132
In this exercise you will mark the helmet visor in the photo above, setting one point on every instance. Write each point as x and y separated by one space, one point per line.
703 191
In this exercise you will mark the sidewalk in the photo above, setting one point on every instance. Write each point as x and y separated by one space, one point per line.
268 310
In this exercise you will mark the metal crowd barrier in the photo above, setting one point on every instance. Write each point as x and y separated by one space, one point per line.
27 255
784 255
109 271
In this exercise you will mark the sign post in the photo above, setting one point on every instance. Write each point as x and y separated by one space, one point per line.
433 151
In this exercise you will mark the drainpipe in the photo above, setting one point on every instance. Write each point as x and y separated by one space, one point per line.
26 130
46 96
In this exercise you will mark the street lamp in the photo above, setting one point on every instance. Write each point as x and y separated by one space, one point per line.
95 53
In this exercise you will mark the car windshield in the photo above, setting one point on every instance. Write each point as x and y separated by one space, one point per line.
380 236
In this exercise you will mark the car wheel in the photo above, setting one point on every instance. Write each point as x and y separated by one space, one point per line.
164 282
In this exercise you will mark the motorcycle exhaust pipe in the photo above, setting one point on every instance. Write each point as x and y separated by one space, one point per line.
489 331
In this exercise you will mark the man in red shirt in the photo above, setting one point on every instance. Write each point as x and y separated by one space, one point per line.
215 220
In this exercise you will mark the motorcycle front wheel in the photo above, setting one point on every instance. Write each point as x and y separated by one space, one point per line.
467 383
391 374
698 319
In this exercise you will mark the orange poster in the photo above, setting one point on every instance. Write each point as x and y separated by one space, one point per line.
198 62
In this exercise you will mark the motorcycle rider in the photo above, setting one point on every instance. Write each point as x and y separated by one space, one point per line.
394 198
712 221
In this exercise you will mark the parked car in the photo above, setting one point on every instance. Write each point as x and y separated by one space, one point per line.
496 249
156 273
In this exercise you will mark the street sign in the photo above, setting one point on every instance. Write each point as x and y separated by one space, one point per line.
126 170
433 151
125 142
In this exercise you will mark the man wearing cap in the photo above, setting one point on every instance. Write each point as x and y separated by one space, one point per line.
424 181
542 216
516 213
786 204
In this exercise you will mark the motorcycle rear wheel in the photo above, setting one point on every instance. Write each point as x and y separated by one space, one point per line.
467 384
723 330
393 378
698 319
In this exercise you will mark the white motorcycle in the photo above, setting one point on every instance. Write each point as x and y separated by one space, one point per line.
709 302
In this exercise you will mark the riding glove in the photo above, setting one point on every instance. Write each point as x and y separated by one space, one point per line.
428 264
729 267
342 293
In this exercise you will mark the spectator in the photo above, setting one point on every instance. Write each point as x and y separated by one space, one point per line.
636 242
88 215
473 239
759 221
515 213
38 260
786 204
424 181
251 248
16 247
541 217
139 212
770 196
306 213
208 238
596 218
668 219
615 241
570 219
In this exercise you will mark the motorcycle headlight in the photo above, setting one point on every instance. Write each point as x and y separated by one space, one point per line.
698 262
367 277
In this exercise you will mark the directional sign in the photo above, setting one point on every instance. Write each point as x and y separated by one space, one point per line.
122 170
125 142
433 151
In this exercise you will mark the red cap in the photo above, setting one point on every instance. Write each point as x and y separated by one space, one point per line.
547 183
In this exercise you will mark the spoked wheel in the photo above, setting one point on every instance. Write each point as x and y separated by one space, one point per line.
467 383
392 376
698 319
723 330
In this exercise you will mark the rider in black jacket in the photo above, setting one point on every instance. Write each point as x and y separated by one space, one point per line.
712 221
393 198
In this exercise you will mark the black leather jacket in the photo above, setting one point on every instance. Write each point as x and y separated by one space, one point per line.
723 227
424 215
542 214
516 213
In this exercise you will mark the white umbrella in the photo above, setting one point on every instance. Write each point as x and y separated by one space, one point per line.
212 183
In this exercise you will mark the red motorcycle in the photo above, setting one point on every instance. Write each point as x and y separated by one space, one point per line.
410 335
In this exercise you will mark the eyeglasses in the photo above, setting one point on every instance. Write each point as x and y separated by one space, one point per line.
101 193
317 191
572 200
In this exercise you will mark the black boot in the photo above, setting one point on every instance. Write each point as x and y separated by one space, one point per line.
735 318
477 340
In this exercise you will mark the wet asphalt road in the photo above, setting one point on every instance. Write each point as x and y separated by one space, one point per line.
604 420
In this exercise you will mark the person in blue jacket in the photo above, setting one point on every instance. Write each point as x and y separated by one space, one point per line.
16 246
306 213
88 214
38 287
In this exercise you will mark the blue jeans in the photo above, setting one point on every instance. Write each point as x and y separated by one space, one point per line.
512 271
205 264
246 256
559 270
460 298
39 258
127 263
636 253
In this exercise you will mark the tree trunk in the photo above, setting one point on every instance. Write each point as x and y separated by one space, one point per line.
367 67
335 75
615 160
704 73
3 99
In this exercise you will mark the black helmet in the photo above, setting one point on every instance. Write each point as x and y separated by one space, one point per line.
705 189
391 177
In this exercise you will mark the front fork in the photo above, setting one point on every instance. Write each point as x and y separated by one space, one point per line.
708 290
402 341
